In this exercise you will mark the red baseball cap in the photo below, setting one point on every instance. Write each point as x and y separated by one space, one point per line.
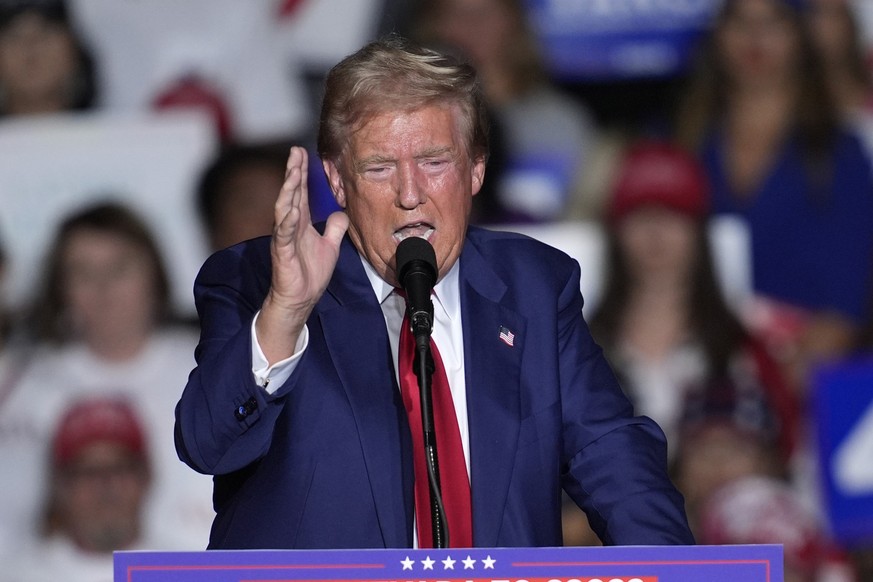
658 173
97 419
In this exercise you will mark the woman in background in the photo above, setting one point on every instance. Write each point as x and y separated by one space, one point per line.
44 66
663 322
836 33
837 36
759 112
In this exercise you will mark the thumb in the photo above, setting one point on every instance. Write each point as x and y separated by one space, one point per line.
336 227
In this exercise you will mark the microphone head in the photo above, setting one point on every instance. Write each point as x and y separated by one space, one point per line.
415 256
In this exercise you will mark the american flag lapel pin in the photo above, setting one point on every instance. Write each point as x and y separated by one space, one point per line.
506 336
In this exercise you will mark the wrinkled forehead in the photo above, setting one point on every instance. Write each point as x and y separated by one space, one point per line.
378 111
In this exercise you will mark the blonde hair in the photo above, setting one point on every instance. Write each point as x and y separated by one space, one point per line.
394 74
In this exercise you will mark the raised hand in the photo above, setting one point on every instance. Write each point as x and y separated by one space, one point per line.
303 261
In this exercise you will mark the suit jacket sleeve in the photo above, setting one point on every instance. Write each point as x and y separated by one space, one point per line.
224 420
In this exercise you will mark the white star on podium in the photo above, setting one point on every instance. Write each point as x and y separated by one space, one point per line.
407 563
489 562
427 563
448 563
468 563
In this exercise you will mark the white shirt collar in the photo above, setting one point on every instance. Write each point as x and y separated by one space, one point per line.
446 291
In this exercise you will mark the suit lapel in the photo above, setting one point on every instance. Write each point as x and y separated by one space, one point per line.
493 370
354 330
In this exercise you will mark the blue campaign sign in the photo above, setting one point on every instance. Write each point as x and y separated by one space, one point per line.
610 564
844 411
619 39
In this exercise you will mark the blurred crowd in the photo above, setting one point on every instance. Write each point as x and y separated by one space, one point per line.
771 125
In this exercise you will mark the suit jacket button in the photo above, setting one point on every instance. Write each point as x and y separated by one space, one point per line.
243 410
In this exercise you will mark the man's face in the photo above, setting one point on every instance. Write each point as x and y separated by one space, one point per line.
407 174
101 494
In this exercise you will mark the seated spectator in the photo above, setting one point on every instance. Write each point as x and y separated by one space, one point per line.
44 66
102 325
663 322
237 192
836 31
759 112
99 478
728 431
761 510
546 134
837 36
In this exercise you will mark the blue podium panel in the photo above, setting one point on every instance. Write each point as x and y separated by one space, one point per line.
609 564
844 415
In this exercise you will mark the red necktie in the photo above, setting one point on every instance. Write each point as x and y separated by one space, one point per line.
454 483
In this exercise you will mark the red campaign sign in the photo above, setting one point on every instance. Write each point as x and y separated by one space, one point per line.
589 564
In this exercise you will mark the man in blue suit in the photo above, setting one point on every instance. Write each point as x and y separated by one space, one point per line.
294 405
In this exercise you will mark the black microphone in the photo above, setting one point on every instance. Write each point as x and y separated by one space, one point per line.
417 274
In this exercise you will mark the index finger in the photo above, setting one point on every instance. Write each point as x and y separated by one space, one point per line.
293 193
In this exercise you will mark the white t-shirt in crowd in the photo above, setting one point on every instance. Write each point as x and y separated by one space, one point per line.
180 503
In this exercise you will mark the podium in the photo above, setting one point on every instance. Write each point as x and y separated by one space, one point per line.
761 563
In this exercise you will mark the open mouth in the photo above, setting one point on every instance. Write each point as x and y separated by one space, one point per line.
419 229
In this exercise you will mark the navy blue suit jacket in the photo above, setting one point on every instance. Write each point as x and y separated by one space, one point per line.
325 462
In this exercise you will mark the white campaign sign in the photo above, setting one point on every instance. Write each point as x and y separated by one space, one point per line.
53 165
853 458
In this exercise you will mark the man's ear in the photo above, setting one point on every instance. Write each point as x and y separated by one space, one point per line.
334 178
478 174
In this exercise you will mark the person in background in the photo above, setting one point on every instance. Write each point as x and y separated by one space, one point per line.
837 36
44 65
663 321
727 431
836 32
237 191
762 510
759 112
102 323
546 134
99 476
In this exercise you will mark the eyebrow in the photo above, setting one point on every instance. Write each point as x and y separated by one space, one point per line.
380 159
370 160
433 152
